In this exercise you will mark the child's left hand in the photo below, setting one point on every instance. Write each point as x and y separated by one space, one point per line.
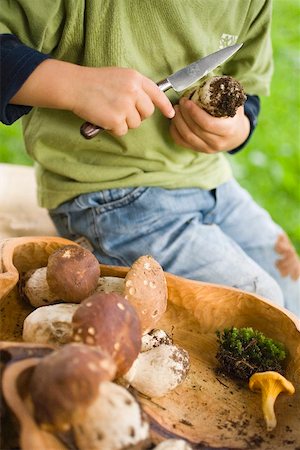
194 128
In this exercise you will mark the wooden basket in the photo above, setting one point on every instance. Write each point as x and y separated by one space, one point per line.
208 410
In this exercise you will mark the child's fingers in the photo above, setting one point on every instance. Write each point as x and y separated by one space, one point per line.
159 98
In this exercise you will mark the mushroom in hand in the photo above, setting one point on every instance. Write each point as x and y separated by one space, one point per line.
66 382
220 96
271 384
110 322
72 273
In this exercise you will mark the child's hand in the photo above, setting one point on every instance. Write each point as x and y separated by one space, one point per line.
118 98
111 97
194 128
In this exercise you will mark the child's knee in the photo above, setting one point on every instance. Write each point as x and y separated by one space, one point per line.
288 263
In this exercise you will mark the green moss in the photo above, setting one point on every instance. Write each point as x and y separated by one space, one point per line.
244 351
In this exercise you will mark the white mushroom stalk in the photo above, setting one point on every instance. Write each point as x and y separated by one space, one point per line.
155 338
220 96
113 422
36 289
158 371
50 324
173 444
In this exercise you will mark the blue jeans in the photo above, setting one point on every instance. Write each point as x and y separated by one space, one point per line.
220 236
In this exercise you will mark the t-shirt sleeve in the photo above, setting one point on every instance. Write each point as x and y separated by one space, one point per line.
252 109
17 62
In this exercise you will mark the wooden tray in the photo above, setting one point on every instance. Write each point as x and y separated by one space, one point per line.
208 410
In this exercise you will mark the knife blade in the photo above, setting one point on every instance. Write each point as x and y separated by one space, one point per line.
180 80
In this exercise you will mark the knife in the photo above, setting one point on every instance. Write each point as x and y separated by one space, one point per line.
180 80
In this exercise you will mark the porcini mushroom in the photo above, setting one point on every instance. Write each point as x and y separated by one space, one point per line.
109 321
271 384
113 422
50 324
72 273
111 284
155 338
158 371
146 289
66 382
220 96
35 289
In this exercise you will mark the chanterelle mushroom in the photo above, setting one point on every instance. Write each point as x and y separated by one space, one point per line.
109 321
66 382
72 273
146 289
271 384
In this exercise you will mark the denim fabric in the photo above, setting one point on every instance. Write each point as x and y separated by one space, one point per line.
220 236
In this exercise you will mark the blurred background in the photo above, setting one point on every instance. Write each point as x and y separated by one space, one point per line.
269 168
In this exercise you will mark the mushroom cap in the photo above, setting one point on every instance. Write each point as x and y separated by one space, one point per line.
50 324
66 382
72 273
271 381
113 422
146 289
109 321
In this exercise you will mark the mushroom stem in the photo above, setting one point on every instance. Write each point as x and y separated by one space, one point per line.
220 96
268 402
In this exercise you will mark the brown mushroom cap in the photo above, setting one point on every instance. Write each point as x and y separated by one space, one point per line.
72 273
146 289
110 322
66 382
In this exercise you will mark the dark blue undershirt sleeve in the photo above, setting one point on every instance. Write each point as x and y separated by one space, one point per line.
17 62
252 108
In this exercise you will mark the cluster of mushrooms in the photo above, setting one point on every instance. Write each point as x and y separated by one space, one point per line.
105 340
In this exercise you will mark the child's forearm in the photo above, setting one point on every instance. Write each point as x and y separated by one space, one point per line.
114 98
48 86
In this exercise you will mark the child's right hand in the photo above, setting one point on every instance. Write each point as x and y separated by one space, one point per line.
118 98
114 98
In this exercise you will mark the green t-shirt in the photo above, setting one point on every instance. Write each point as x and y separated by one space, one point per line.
155 37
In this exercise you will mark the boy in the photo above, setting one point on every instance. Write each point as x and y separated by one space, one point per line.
154 183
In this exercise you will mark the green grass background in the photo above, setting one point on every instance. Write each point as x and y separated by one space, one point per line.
269 168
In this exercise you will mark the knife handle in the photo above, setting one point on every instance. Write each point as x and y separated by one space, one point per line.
88 130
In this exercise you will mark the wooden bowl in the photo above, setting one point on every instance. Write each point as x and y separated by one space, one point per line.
208 410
